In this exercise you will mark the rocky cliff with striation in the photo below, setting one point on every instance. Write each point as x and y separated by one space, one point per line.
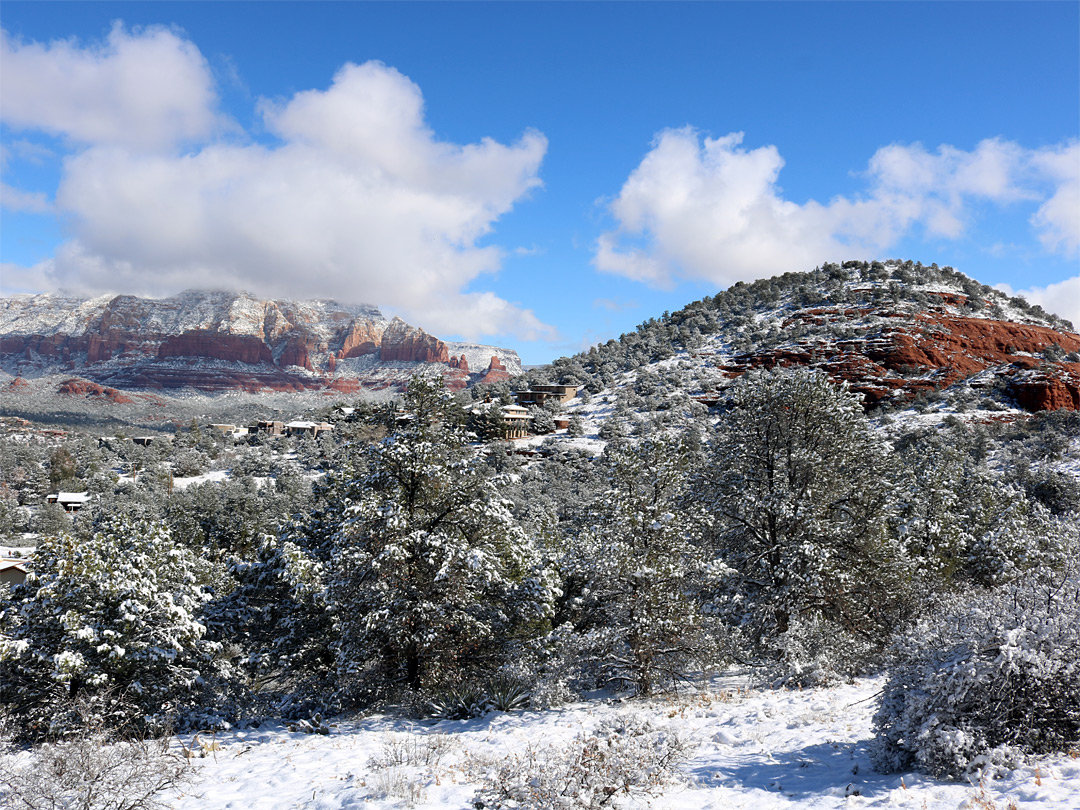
896 332
890 351
216 342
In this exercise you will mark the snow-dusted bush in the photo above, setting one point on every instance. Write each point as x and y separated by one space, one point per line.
629 757
816 651
989 679
430 573
90 773
190 462
800 490
103 633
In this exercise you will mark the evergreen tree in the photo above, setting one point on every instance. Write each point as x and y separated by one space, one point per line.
800 489
635 575
430 574
109 623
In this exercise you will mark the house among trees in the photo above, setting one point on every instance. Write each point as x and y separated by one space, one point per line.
538 394
231 431
269 426
313 429
515 421
71 501
12 572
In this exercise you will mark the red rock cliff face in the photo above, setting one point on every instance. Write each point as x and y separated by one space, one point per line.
401 342
495 372
261 344
216 346
1048 388
901 354
296 353
363 337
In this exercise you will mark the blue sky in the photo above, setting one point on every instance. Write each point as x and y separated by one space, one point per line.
536 175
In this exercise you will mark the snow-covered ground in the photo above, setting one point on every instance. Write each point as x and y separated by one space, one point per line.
757 749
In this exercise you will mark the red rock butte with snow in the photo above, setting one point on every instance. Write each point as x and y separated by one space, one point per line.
216 342
893 351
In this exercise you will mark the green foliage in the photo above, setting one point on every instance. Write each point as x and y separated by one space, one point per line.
108 621
635 573
430 575
800 489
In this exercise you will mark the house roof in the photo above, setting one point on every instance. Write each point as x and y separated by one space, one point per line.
71 497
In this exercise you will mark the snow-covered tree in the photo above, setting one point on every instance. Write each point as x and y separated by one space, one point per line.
991 677
962 524
801 493
430 574
634 575
108 623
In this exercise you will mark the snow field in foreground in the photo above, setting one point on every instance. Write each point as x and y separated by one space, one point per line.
750 749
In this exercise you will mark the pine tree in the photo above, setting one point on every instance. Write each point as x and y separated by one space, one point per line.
108 623
636 573
800 489
430 574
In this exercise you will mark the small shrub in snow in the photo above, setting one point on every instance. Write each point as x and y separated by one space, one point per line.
986 682
816 651
411 750
316 725
403 766
499 694
89 774
398 783
629 757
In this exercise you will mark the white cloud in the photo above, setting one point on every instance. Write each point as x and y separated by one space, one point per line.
144 89
1058 219
14 199
359 201
1061 298
705 208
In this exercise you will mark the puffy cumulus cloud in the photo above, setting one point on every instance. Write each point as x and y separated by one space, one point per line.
145 89
708 208
359 201
1061 298
1058 219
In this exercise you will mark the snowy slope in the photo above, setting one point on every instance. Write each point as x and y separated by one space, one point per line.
751 749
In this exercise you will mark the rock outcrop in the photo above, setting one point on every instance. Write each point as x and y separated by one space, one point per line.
76 387
410 344
495 372
892 353
214 342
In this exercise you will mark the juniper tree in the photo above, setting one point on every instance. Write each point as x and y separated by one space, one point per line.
962 524
635 574
430 573
800 489
108 622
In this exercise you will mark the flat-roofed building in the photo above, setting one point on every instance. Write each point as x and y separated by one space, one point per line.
306 428
71 501
515 421
539 394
